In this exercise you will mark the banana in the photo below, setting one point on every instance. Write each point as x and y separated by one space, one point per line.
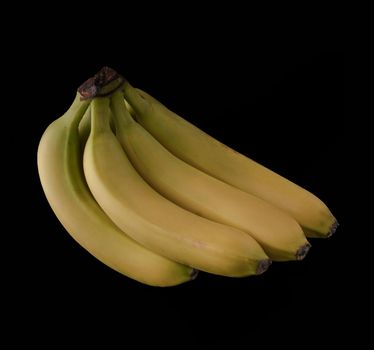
60 168
156 222
278 233
200 150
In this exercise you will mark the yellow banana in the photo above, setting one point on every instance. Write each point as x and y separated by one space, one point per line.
154 221
200 150
61 176
278 233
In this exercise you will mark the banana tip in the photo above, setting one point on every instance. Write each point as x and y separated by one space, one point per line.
303 251
333 228
262 266
193 274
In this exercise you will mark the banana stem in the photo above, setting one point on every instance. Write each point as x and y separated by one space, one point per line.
121 116
137 101
77 110
100 115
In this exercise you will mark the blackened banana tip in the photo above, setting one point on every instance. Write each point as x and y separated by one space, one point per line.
262 266
193 274
333 228
303 251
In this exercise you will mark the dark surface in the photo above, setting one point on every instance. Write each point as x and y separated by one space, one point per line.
285 109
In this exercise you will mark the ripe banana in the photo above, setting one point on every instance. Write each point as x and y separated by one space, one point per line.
154 221
200 150
278 233
61 175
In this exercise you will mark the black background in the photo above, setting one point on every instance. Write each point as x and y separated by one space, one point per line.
280 104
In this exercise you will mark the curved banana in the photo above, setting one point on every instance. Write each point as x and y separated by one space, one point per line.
61 175
278 233
195 147
154 221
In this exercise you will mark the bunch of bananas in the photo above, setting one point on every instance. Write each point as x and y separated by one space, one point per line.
157 199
